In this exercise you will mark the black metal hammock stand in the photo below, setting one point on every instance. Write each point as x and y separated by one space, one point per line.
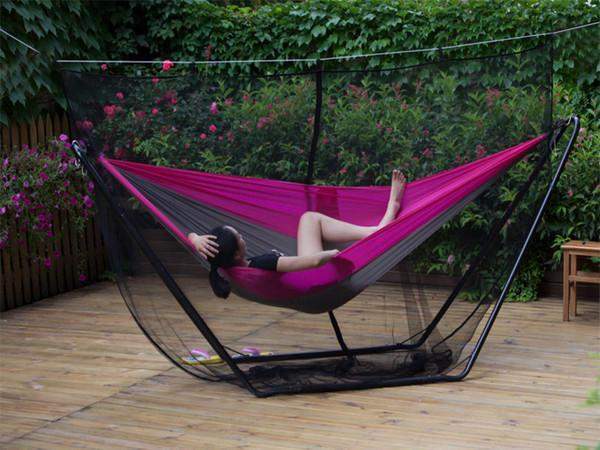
171 155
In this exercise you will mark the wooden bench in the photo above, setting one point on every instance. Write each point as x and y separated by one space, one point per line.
571 276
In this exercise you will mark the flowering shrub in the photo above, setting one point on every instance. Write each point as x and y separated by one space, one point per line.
37 182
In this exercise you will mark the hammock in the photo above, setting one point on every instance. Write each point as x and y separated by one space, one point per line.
228 145
180 199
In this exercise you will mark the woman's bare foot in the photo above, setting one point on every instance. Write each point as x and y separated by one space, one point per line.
395 200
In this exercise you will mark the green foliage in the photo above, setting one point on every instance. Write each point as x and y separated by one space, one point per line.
58 29
593 399
574 210
525 286
184 29
322 28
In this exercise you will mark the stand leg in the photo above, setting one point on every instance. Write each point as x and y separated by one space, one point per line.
338 334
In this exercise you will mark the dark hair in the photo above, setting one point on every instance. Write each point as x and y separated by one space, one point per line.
228 245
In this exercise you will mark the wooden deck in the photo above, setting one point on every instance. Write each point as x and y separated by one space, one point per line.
76 371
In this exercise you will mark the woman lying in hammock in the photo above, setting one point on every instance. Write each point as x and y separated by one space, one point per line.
225 247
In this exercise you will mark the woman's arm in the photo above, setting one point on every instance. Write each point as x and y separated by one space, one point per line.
294 263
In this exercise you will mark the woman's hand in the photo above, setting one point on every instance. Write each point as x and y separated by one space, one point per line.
205 244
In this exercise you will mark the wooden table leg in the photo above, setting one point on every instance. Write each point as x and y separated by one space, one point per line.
573 286
566 290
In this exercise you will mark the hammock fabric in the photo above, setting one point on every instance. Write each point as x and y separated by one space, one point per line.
278 206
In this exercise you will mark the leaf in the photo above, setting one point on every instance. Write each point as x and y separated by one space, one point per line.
318 30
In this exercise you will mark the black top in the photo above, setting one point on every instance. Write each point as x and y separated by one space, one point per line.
268 261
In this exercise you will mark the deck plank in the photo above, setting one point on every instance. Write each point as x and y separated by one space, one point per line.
76 369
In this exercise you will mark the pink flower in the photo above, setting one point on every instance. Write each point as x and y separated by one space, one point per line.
47 263
186 146
220 138
120 95
166 65
110 111
155 81
87 125
230 136
2 210
140 114
82 278
570 193
88 202
378 125
203 136
212 128
262 121
425 132
450 259
154 111
427 153
228 101
63 138
104 67
492 95
325 140
245 97
214 109
480 149
389 129
343 170
44 176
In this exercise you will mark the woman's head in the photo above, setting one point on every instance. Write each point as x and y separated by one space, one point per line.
231 252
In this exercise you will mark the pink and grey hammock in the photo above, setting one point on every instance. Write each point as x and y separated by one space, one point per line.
140 195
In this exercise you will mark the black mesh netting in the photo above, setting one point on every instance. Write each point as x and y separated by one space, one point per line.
355 126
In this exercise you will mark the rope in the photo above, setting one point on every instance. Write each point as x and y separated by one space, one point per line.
19 40
313 60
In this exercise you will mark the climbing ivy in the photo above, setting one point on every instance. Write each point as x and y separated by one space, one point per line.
58 29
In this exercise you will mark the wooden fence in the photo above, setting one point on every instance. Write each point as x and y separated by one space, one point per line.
24 278
34 133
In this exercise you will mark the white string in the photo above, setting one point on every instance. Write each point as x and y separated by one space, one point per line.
19 40
296 60
466 44
333 58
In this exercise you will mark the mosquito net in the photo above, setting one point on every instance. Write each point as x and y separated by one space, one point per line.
334 123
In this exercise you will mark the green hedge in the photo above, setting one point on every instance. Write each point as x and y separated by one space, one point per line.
321 28
58 29
182 29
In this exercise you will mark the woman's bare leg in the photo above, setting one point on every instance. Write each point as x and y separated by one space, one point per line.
314 227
